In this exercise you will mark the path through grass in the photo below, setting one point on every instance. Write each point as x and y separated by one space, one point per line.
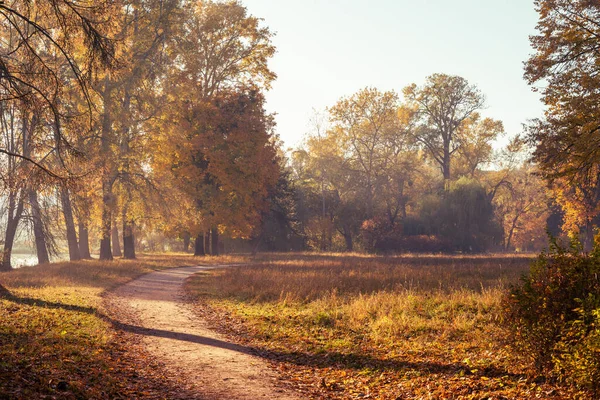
57 341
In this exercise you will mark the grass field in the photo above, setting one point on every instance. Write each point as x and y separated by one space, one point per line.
352 326
339 326
56 340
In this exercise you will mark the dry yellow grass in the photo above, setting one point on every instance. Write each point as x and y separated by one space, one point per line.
355 326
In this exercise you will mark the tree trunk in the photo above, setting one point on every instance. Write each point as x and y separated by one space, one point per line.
106 142
446 164
128 239
257 244
199 245
214 233
116 247
511 231
369 198
348 239
186 242
588 236
70 225
84 241
105 251
38 229
15 212
207 243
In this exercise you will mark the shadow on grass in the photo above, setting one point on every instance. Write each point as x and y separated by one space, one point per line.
6 295
321 360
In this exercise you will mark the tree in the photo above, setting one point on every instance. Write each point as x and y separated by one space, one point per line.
566 60
218 71
129 99
39 60
366 123
522 206
443 105
40 46
226 162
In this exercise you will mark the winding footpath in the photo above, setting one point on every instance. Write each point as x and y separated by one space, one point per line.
155 308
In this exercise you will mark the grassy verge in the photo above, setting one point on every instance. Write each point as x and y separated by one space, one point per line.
377 327
57 342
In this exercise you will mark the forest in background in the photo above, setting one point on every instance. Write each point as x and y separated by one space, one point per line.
131 125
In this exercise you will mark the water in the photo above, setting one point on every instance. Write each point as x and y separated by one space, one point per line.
19 260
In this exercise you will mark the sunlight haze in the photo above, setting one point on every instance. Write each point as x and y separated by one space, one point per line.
330 49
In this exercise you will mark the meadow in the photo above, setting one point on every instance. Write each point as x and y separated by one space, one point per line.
356 326
337 326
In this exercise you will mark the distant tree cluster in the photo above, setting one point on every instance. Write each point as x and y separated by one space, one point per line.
127 124
419 175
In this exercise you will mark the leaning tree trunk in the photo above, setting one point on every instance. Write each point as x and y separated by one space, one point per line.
199 245
214 233
38 229
15 212
70 224
84 241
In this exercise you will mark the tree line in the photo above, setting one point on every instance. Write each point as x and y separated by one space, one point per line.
381 173
120 117
123 121
414 174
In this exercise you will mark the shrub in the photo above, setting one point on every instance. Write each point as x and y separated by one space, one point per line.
379 237
553 314
577 355
466 217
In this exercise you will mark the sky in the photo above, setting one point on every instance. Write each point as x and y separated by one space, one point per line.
327 49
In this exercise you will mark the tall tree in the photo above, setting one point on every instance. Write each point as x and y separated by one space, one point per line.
219 69
443 105
226 162
129 99
567 61
366 124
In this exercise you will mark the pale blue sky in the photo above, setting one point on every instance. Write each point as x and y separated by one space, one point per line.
332 48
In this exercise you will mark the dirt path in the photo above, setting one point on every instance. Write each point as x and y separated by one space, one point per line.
154 307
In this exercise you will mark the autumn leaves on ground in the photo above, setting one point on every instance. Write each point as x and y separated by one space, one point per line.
336 326
57 340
